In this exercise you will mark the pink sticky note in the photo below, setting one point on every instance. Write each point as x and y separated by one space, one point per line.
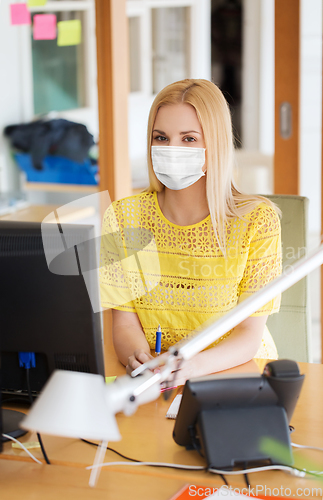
20 14
44 27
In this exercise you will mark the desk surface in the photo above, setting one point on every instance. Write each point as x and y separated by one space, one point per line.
37 213
147 436
26 481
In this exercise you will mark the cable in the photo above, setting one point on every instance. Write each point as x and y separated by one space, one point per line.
152 464
306 447
224 479
315 473
23 447
291 470
138 461
43 449
294 471
29 387
38 435
22 399
111 449
246 480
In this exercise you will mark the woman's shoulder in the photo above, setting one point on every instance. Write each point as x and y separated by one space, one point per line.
265 212
264 219
257 216
128 208
256 207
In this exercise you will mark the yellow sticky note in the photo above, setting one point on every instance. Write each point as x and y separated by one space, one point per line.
108 380
69 32
36 3
29 445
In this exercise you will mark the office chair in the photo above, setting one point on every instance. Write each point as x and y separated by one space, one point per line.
291 327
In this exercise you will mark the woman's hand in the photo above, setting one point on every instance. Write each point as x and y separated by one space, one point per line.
181 371
185 371
138 358
129 339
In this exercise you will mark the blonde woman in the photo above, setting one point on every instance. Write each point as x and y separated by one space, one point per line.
216 246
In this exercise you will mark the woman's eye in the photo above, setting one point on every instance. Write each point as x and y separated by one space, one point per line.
160 138
189 139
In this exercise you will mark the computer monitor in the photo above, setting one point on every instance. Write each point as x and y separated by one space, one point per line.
44 313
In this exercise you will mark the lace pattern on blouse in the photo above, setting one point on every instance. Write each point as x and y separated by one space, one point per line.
184 278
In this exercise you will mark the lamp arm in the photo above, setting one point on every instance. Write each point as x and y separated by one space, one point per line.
212 330
126 393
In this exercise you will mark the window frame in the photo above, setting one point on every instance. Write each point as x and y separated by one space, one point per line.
138 9
142 9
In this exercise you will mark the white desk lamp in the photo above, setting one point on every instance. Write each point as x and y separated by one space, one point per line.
80 405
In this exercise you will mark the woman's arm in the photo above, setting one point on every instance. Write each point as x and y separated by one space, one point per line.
133 349
129 339
241 346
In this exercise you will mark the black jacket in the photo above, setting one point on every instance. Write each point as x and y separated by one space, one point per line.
54 137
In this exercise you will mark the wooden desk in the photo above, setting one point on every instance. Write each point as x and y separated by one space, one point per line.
60 188
147 435
26 481
37 213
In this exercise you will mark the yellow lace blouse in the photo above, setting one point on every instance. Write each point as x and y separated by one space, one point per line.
177 276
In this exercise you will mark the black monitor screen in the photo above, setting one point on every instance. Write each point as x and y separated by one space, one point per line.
45 313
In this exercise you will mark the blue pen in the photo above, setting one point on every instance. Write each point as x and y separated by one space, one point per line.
158 341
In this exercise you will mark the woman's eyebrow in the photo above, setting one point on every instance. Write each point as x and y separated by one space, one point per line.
181 133
159 131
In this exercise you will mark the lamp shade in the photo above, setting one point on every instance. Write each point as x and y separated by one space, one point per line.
73 404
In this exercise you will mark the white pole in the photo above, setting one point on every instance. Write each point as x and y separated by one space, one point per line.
215 330
98 460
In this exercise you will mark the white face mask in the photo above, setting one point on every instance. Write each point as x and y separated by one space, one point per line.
178 167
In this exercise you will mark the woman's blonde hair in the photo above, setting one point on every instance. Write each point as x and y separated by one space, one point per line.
224 198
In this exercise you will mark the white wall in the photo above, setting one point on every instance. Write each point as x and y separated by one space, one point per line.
258 79
311 109
267 77
11 109
250 74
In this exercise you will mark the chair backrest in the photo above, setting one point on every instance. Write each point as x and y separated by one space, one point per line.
290 327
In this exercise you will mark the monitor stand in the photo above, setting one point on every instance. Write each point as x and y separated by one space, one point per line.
10 424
